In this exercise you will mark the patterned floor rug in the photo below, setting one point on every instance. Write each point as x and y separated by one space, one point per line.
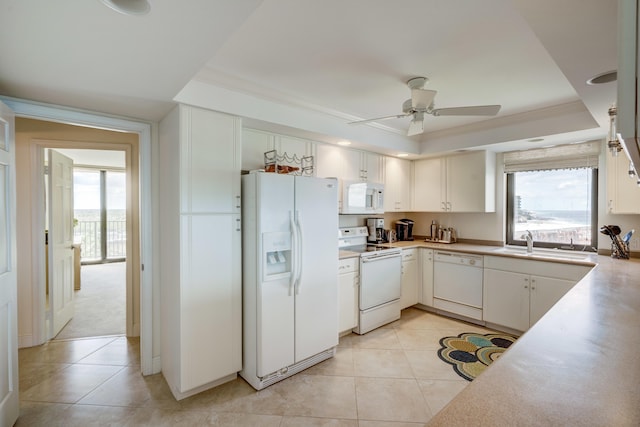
471 353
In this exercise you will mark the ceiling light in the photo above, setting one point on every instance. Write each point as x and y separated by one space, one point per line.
609 76
129 7
403 155
344 143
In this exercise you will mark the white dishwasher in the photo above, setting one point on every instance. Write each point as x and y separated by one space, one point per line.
457 283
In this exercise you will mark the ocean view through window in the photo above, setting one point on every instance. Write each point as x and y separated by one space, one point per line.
557 206
100 214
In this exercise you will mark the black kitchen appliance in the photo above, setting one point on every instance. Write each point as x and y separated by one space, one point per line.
404 229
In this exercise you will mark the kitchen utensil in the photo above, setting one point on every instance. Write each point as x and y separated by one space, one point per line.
619 249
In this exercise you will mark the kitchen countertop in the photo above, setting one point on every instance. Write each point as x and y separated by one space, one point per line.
578 365
589 259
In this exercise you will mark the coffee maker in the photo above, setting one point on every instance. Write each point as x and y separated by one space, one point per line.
376 230
404 229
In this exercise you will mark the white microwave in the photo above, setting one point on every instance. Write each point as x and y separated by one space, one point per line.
362 198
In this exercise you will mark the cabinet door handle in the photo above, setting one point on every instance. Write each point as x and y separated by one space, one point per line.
238 202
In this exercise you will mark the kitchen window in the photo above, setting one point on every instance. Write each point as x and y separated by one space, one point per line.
553 193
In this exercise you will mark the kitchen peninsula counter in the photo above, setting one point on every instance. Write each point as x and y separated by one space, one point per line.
578 365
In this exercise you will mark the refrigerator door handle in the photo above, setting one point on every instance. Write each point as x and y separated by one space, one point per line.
294 253
298 253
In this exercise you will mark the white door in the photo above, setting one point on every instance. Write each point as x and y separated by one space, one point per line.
9 406
60 240
316 304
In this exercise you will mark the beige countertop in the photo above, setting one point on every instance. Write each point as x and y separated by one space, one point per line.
578 366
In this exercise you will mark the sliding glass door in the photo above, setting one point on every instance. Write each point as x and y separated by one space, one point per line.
100 214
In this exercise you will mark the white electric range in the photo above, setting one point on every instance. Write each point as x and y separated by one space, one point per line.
380 278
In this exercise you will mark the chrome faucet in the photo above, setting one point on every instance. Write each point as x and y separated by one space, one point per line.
529 238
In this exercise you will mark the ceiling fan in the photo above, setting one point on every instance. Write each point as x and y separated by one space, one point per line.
421 103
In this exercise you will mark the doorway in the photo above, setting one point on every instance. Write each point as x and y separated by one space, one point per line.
31 326
99 241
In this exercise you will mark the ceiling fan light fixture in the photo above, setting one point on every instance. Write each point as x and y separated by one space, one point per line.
128 7
417 124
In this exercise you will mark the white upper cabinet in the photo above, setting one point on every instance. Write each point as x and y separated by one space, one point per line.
397 185
353 165
254 144
210 161
294 148
429 188
328 161
623 193
373 167
460 183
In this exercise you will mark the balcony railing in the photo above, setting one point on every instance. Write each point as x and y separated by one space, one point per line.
89 234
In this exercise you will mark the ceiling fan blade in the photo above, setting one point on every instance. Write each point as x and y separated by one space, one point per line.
397 116
421 98
476 110
416 126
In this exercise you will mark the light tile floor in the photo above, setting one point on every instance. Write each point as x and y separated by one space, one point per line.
389 377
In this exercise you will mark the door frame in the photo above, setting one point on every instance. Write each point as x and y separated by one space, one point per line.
37 148
65 115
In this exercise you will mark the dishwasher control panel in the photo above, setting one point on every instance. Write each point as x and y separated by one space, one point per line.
459 258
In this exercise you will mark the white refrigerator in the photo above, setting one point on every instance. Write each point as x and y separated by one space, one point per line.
290 274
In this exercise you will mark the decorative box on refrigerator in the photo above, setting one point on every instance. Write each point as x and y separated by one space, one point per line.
290 279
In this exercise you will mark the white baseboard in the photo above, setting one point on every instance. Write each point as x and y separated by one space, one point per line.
25 341
156 365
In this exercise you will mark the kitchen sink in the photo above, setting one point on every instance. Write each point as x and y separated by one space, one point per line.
543 253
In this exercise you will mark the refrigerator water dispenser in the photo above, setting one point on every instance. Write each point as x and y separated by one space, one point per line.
276 253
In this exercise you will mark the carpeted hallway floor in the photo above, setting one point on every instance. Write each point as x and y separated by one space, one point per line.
100 304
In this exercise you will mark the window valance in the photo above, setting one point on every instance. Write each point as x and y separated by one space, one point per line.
571 156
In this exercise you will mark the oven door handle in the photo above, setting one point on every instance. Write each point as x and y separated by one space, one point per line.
380 258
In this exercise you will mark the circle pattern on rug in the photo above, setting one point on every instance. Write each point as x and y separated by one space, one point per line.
470 353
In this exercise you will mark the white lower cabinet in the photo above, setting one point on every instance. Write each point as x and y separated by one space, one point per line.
409 290
348 284
426 290
517 296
